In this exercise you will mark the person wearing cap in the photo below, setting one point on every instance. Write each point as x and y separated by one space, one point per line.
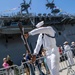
49 44
73 48
68 52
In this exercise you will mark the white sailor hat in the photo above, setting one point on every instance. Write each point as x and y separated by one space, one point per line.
72 42
65 42
40 24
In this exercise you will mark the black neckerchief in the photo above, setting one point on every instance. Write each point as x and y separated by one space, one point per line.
48 35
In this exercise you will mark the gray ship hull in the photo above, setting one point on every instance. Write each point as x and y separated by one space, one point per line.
13 45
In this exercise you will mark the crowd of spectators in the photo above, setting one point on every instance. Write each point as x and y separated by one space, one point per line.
67 51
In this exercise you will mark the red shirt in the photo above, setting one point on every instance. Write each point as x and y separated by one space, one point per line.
60 50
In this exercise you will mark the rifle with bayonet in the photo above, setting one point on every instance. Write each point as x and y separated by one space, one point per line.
23 38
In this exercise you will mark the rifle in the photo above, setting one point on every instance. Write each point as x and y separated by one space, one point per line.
23 38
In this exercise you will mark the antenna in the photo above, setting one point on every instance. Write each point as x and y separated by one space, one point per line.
24 7
24 1
50 4
30 1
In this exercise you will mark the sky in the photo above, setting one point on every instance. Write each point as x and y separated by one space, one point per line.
37 6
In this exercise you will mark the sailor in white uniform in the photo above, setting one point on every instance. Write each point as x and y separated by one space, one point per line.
68 52
49 44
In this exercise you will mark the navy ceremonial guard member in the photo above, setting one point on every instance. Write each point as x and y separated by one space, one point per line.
49 44
68 52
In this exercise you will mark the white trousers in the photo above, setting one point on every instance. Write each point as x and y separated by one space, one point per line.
53 64
70 57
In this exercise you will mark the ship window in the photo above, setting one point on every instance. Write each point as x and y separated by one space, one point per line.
72 24
59 33
14 24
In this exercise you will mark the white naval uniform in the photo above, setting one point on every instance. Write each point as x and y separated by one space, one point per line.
69 54
49 45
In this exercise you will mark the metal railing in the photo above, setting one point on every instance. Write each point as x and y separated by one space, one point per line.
40 68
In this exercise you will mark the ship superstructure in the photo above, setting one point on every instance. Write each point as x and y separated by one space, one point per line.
10 40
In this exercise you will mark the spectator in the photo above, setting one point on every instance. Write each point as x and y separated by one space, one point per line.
31 66
45 64
25 65
5 64
28 55
9 61
73 48
60 50
61 53
24 60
